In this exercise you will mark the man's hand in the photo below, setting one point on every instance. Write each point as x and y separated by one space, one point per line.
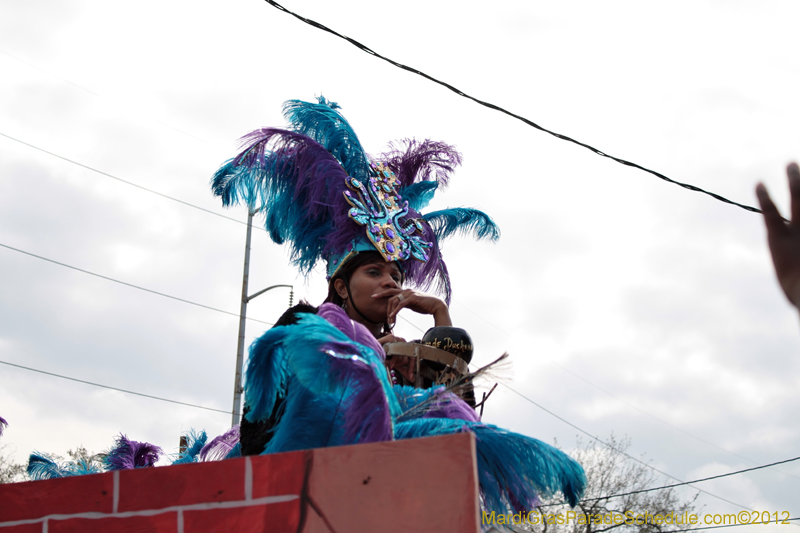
418 302
783 237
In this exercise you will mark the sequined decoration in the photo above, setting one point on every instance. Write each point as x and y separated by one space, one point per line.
377 205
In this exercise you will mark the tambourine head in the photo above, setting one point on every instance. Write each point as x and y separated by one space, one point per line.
453 340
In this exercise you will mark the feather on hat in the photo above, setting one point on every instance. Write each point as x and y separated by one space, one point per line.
323 195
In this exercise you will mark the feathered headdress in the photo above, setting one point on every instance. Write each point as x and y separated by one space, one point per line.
321 193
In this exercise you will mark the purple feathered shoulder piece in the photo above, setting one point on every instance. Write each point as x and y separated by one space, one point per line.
355 331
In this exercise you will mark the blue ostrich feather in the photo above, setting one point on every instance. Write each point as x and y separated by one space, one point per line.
81 468
265 377
323 123
435 402
465 220
339 392
42 466
237 184
194 444
514 471
235 452
420 194
297 183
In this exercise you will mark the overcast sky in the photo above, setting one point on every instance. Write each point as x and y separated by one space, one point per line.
628 305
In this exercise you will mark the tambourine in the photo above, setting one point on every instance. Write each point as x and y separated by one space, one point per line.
439 358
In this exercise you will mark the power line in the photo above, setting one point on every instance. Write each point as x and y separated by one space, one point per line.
509 113
115 388
731 525
693 481
130 284
48 73
598 439
126 182
404 319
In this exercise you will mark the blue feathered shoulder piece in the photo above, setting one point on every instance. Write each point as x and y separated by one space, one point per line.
334 390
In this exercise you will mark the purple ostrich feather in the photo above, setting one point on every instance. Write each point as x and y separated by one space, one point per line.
412 161
3 425
369 418
355 331
220 446
448 405
366 413
311 171
304 186
129 454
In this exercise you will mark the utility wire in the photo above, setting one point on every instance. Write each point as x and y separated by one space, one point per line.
48 73
731 525
509 113
126 182
404 319
598 439
693 481
115 388
130 284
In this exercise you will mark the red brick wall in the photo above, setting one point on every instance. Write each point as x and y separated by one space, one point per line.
422 485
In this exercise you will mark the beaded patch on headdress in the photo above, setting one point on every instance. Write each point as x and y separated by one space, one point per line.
378 206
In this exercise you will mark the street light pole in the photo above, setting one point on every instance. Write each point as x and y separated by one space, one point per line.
237 384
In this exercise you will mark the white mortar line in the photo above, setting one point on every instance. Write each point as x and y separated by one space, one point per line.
115 505
180 520
248 479
152 512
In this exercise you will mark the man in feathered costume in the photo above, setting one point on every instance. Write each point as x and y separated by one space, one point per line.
319 377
